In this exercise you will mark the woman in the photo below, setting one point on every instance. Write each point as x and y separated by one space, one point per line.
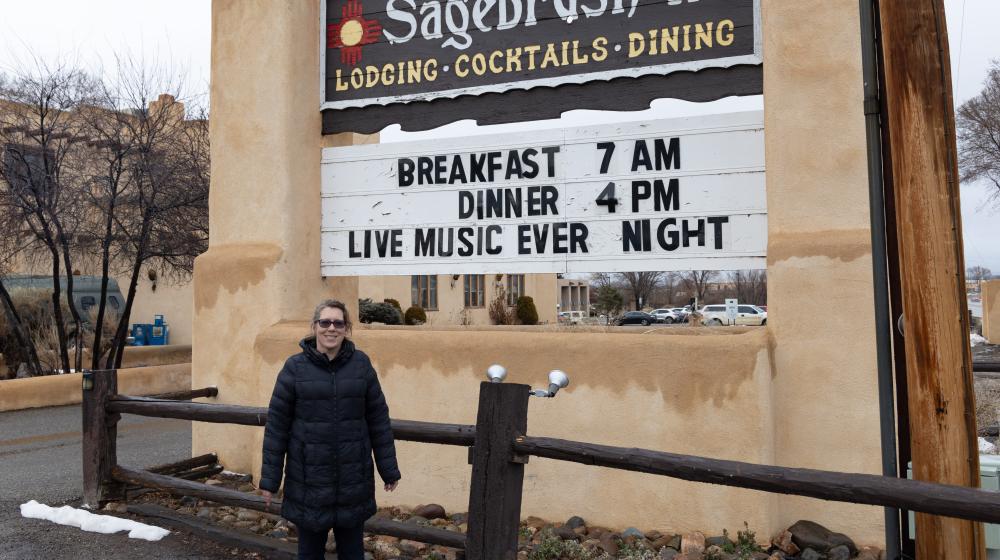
327 416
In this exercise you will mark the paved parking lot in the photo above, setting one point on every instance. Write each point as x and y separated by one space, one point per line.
40 460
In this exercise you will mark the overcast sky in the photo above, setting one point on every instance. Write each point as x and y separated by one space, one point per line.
177 34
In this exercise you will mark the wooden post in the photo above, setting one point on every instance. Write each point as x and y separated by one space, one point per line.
921 125
495 492
100 431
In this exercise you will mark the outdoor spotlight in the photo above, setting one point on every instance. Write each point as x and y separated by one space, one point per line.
557 380
88 380
496 373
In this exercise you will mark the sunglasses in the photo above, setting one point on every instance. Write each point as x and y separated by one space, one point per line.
335 323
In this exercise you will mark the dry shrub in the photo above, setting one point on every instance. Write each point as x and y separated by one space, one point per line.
34 305
987 402
500 312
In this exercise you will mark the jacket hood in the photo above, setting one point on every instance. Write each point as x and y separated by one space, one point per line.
308 345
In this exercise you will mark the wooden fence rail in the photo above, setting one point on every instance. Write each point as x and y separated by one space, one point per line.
986 367
407 430
913 495
225 496
499 449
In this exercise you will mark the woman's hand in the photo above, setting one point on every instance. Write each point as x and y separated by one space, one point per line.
390 486
267 499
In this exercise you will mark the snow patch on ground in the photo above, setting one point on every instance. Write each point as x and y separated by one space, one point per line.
976 340
987 447
92 522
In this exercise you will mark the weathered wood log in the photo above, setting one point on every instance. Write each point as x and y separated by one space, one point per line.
986 367
100 433
408 430
188 395
200 412
986 375
497 481
200 473
186 464
266 546
234 498
913 495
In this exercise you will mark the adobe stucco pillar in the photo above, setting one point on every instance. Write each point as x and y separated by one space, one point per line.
991 310
820 295
262 266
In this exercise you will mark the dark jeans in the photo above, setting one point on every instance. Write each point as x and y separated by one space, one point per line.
350 543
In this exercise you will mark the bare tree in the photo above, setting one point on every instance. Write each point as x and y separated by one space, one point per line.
641 284
697 281
40 188
10 247
978 274
162 220
750 286
978 131
601 279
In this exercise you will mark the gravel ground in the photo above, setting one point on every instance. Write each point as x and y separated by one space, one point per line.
40 460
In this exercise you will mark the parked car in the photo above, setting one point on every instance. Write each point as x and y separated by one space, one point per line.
665 316
681 313
715 315
86 290
571 317
636 318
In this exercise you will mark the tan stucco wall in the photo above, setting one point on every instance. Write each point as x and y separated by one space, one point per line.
991 311
801 392
451 308
141 356
59 390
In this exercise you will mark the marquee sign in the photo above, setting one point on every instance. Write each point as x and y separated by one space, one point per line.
664 195
387 51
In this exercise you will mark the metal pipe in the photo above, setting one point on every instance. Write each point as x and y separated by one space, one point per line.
880 275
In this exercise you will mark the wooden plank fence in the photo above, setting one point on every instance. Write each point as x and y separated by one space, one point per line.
499 448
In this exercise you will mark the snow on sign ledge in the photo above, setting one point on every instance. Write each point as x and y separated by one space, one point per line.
680 194
92 522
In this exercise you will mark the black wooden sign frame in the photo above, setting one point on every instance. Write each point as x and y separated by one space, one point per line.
425 63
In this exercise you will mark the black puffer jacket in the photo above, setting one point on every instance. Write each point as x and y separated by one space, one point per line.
327 417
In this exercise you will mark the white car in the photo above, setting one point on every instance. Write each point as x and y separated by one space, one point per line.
667 316
571 317
715 315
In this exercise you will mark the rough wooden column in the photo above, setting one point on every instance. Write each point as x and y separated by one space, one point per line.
100 433
921 124
496 486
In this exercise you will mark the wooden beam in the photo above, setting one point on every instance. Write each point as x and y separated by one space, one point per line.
940 499
266 546
186 464
407 430
496 486
100 433
187 395
986 367
234 498
921 124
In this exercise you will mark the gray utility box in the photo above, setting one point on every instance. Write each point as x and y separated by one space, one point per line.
989 477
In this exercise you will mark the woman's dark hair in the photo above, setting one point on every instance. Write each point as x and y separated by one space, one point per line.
335 304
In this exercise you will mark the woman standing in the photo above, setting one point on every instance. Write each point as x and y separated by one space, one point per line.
327 416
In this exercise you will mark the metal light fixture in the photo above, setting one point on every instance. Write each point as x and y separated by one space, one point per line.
557 380
88 380
496 373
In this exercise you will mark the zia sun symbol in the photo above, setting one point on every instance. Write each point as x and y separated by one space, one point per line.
351 32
